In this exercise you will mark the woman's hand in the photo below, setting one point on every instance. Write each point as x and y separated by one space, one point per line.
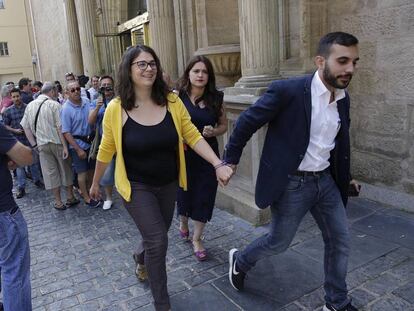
94 192
208 131
224 174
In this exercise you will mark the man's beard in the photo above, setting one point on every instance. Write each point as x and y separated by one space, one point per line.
335 81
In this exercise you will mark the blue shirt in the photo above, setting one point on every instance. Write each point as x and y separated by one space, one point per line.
26 97
74 120
12 117
7 141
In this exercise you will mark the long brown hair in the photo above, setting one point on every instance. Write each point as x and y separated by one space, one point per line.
213 98
125 85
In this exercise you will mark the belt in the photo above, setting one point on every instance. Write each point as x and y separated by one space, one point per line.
306 173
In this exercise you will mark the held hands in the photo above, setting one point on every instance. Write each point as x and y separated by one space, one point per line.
11 165
224 172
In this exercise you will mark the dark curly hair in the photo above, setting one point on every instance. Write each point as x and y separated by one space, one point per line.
212 98
125 87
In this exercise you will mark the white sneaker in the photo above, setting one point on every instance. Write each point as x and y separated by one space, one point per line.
107 205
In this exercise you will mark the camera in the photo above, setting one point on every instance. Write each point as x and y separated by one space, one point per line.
104 89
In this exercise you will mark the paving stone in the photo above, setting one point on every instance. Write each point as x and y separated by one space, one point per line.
282 271
202 298
406 292
63 304
391 303
398 229
404 271
383 284
364 248
361 297
313 300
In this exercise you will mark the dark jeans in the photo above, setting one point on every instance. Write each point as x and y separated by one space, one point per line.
320 196
15 261
152 210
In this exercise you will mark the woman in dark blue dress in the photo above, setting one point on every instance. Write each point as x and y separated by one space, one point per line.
204 103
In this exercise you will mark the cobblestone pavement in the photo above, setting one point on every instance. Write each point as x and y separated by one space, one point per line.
81 260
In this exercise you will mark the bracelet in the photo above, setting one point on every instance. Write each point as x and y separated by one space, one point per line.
223 163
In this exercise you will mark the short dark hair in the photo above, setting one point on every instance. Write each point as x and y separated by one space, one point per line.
125 87
15 90
23 82
38 84
341 38
212 98
105 77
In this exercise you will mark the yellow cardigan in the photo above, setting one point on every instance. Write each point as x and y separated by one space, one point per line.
112 141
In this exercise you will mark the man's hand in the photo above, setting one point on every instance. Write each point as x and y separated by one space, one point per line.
18 131
99 103
224 174
65 153
81 154
354 188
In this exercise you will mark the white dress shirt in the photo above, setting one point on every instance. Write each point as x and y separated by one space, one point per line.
325 124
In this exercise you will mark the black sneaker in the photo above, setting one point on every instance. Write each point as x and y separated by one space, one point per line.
236 277
348 307
39 184
20 193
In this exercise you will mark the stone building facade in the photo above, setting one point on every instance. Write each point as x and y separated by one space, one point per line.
250 44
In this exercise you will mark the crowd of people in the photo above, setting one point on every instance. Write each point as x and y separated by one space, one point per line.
155 142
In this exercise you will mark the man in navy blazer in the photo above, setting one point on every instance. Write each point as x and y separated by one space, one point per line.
305 163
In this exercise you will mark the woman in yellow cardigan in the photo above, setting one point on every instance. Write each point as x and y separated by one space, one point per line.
146 127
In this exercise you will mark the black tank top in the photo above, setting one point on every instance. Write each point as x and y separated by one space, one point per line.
150 152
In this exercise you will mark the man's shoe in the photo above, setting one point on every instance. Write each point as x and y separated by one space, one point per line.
236 276
93 203
107 205
71 202
20 193
39 184
348 307
140 270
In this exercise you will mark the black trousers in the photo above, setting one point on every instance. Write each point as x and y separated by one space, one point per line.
152 209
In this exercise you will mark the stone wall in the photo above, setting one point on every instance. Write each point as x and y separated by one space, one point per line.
52 39
382 90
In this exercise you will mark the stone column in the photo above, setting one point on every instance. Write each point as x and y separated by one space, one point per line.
87 29
259 42
162 34
75 51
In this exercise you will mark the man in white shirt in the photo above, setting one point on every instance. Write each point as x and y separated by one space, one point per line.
305 163
41 123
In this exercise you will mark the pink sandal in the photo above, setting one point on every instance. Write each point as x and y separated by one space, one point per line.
184 234
201 255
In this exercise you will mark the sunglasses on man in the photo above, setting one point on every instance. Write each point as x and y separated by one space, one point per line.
75 89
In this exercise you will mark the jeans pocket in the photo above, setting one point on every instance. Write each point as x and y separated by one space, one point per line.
295 183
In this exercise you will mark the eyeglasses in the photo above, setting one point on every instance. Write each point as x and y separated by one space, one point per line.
75 89
143 65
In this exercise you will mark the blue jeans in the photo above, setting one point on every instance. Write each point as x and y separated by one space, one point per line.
21 175
320 196
108 178
15 261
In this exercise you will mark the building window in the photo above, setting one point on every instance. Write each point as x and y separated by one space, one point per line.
4 49
1 4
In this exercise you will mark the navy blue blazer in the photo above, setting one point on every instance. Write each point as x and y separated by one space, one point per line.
286 108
